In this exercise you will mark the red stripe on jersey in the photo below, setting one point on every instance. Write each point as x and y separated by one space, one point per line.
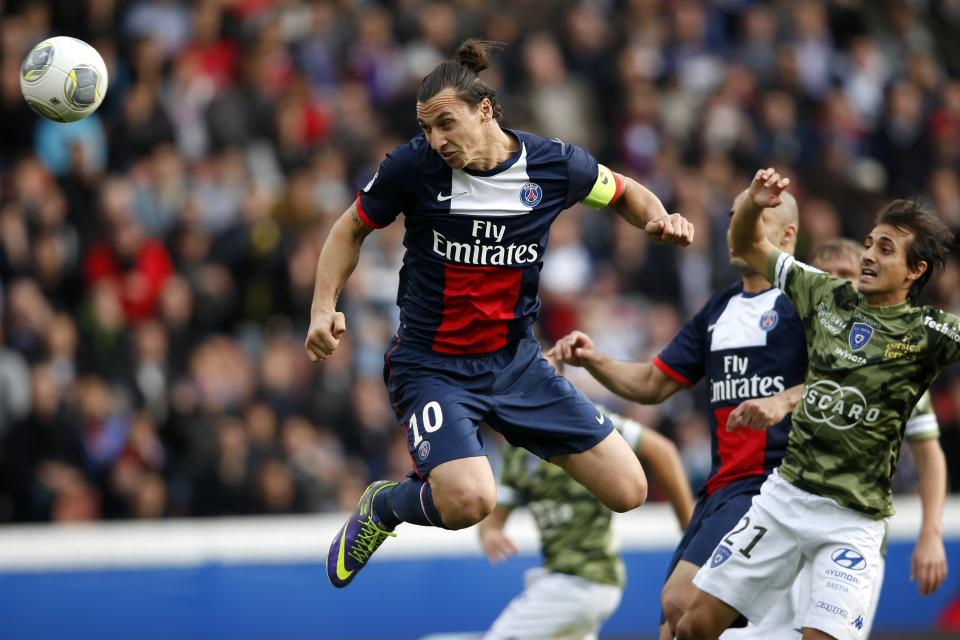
478 305
618 184
663 366
367 220
741 452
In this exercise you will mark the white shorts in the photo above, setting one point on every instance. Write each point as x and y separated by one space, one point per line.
780 623
556 606
874 600
756 564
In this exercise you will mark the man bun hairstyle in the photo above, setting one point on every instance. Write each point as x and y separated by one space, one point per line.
461 74
932 240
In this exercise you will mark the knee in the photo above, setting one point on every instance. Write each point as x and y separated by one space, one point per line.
464 492
628 496
692 627
468 509
674 604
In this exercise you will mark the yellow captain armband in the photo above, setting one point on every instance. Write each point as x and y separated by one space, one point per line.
606 190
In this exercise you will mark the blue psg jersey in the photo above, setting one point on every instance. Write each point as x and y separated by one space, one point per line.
474 239
746 346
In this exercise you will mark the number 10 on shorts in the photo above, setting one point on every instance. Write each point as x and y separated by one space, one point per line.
432 419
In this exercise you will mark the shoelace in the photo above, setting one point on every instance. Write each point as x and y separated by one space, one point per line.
371 536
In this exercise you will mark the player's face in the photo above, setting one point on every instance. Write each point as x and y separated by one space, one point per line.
840 265
883 267
453 128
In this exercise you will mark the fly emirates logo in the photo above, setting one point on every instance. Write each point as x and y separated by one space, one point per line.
736 385
486 248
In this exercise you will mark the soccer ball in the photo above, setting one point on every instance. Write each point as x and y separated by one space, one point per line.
63 79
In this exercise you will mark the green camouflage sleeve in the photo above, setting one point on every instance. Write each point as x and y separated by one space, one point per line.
800 282
943 330
922 423
508 488
631 430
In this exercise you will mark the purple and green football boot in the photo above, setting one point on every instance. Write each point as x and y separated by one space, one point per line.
356 541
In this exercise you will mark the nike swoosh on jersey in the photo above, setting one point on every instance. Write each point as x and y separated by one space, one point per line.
600 418
443 198
342 572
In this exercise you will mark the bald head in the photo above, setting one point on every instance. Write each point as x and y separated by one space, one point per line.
780 224
786 214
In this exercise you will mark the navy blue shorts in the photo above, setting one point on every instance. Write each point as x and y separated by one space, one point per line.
440 400
714 517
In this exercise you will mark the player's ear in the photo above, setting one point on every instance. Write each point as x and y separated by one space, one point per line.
486 110
789 239
917 271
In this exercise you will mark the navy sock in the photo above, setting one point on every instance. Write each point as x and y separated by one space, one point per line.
410 501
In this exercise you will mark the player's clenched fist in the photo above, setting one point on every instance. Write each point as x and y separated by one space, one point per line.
575 348
759 413
670 229
323 337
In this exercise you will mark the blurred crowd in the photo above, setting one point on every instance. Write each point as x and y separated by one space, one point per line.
157 259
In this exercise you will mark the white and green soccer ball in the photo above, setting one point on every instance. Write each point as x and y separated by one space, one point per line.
63 79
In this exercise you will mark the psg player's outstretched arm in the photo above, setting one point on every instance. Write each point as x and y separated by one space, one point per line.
746 228
638 381
338 259
641 208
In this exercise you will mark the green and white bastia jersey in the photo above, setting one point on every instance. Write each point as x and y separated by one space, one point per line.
868 367
922 423
576 536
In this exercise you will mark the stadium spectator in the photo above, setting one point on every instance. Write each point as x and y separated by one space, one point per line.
166 244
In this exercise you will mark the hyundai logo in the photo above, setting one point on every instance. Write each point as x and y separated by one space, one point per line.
849 559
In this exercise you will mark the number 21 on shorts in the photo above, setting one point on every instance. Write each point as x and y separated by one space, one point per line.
431 419
744 523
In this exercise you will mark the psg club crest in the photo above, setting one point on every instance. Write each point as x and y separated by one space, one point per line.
423 450
860 335
721 555
769 319
531 194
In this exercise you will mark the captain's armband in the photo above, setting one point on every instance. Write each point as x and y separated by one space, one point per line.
606 190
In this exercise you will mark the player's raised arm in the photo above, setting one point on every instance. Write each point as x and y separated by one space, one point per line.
746 228
338 259
641 208
638 381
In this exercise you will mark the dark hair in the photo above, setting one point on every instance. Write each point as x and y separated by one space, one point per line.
931 243
461 74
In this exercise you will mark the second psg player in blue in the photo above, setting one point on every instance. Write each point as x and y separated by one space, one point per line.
478 201
746 343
